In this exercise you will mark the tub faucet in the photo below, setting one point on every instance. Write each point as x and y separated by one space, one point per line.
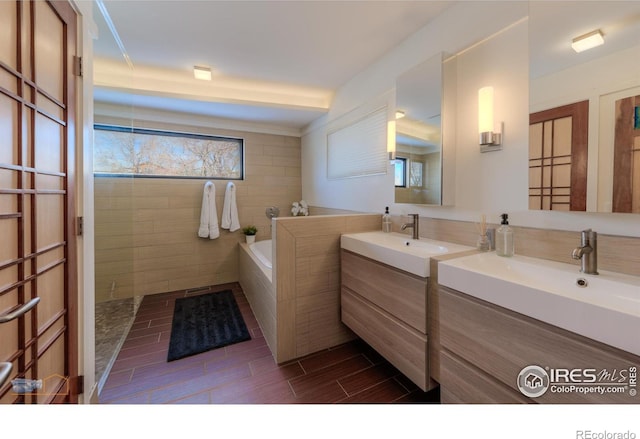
587 252
415 225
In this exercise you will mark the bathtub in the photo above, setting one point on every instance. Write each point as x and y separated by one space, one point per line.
255 268
262 251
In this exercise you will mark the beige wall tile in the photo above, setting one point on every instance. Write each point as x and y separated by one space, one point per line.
308 276
153 223
615 253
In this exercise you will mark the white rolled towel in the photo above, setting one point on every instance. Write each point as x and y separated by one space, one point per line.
230 219
209 214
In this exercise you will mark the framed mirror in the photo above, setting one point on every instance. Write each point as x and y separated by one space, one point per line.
419 134
584 142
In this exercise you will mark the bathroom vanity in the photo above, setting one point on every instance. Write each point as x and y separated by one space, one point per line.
387 308
385 297
484 348
490 329
499 317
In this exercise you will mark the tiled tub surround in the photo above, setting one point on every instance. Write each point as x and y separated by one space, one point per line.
300 311
146 228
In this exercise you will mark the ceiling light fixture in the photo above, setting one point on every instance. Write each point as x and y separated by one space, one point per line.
587 41
399 114
200 72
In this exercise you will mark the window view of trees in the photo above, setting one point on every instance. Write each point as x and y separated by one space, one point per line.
119 150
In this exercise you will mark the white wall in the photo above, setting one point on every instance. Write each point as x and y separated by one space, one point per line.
494 51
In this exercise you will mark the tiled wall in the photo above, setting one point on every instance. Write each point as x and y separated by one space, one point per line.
146 229
615 253
307 281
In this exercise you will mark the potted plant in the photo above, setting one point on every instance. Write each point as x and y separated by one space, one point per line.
250 233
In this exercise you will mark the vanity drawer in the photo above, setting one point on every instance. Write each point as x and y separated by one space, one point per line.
400 344
500 343
462 383
401 294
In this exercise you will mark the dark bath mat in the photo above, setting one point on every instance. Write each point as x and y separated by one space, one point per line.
205 322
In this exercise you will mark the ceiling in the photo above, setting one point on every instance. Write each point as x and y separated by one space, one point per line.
279 63
273 62
553 25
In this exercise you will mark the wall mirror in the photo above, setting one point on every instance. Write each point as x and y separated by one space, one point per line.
419 133
584 128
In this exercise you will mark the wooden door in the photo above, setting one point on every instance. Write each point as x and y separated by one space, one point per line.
626 156
37 214
558 142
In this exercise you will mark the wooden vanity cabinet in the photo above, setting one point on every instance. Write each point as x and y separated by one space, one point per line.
484 348
387 308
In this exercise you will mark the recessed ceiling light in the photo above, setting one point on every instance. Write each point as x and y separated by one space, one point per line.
587 41
200 72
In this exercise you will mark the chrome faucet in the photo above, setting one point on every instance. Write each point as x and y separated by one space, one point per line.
587 252
415 225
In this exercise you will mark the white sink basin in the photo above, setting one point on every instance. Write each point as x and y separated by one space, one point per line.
398 250
604 307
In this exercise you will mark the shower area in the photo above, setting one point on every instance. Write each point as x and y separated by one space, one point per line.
116 301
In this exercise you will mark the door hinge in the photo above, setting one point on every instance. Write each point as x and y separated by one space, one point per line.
76 385
79 226
77 66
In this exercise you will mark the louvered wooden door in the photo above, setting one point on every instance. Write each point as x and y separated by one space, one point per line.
37 212
626 164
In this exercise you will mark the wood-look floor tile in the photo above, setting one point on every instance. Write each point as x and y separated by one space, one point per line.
149 383
139 360
163 368
367 378
329 357
146 330
200 398
310 381
118 378
384 392
322 393
243 357
246 373
136 342
144 349
208 381
141 398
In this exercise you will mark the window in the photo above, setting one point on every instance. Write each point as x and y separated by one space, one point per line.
151 153
416 174
401 172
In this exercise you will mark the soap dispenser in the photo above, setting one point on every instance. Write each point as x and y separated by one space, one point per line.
386 221
504 238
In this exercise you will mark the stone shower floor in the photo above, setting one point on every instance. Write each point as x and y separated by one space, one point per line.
113 321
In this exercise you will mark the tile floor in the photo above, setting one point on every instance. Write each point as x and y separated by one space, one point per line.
246 372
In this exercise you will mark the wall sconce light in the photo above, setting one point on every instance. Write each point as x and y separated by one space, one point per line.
489 140
391 141
587 41
200 72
